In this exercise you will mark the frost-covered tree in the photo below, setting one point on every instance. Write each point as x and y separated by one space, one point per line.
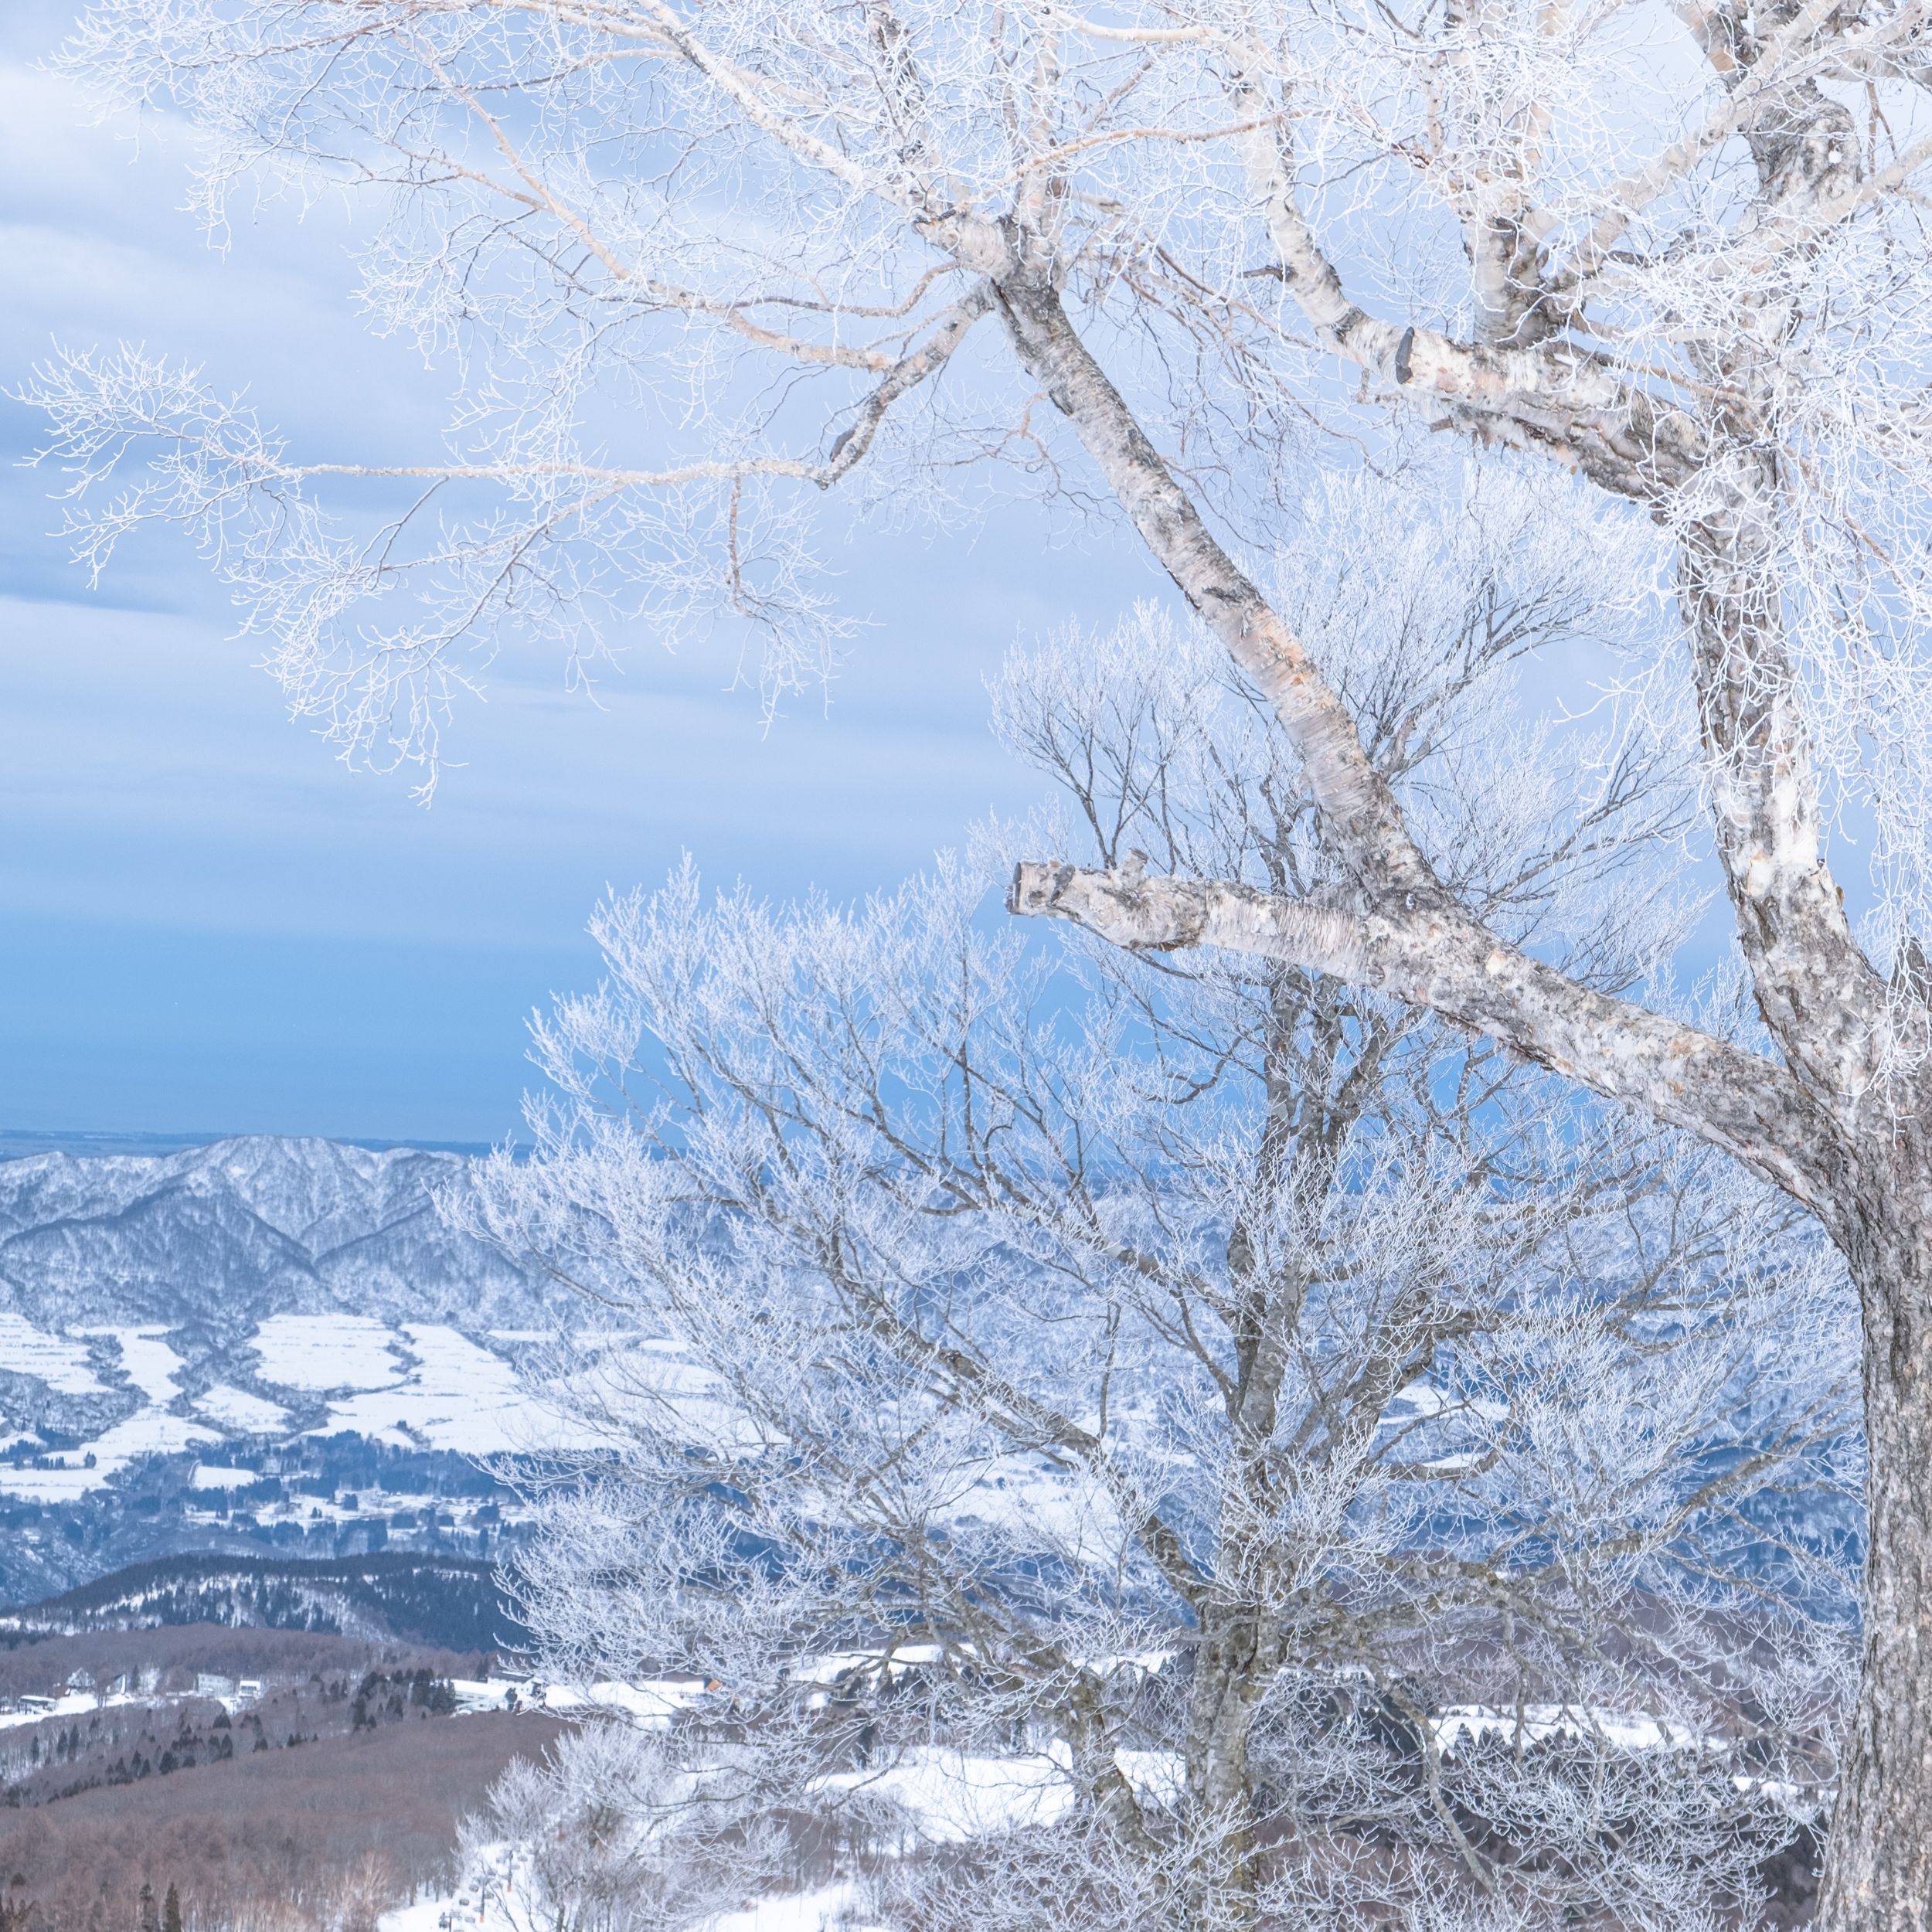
1133 1401
705 260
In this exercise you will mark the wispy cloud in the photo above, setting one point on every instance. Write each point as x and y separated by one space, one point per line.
247 933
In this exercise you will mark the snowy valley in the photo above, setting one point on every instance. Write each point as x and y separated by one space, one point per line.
263 1346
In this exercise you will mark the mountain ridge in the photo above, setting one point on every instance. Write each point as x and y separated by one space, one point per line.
240 1229
454 1602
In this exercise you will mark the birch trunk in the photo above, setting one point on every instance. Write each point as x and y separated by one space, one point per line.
1871 1176
1878 1870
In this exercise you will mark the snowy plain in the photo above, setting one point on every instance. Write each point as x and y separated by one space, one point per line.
411 1386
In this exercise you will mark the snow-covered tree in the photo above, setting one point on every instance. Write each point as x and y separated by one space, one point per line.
1132 1401
705 260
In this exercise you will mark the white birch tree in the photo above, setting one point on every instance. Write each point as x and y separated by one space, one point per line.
1157 253
1201 1376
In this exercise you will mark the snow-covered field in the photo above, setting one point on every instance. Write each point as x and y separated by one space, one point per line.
454 1394
654 1702
494 1896
157 1428
56 1360
80 1704
146 1360
950 1796
209 1475
496 1905
153 1432
325 1352
236 1408
413 1386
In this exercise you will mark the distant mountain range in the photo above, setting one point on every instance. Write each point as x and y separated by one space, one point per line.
226 1235
18 1141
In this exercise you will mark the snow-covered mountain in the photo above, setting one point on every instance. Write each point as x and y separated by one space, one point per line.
225 1235
261 1340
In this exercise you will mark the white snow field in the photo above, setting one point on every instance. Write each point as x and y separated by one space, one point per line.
147 1363
153 1432
819 1911
492 1898
236 1408
419 1385
211 1475
78 1704
649 1705
455 1394
146 1360
951 1797
61 1363
324 1352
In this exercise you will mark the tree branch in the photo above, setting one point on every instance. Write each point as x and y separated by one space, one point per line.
1360 812
1439 958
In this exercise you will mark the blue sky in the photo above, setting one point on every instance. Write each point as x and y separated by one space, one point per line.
208 923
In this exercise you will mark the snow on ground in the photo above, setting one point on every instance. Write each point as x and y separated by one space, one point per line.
150 1364
238 1409
493 1897
425 1915
153 1432
1158 1777
949 1797
827 1666
60 1363
830 1906
79 1704
327 1351
622 1368
1423 1398
1070 1511
209 1475
1618 1729
1144 1663
655 1700
147 1361
474 1694
456 1396
425 1386
477 1901
420 1385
